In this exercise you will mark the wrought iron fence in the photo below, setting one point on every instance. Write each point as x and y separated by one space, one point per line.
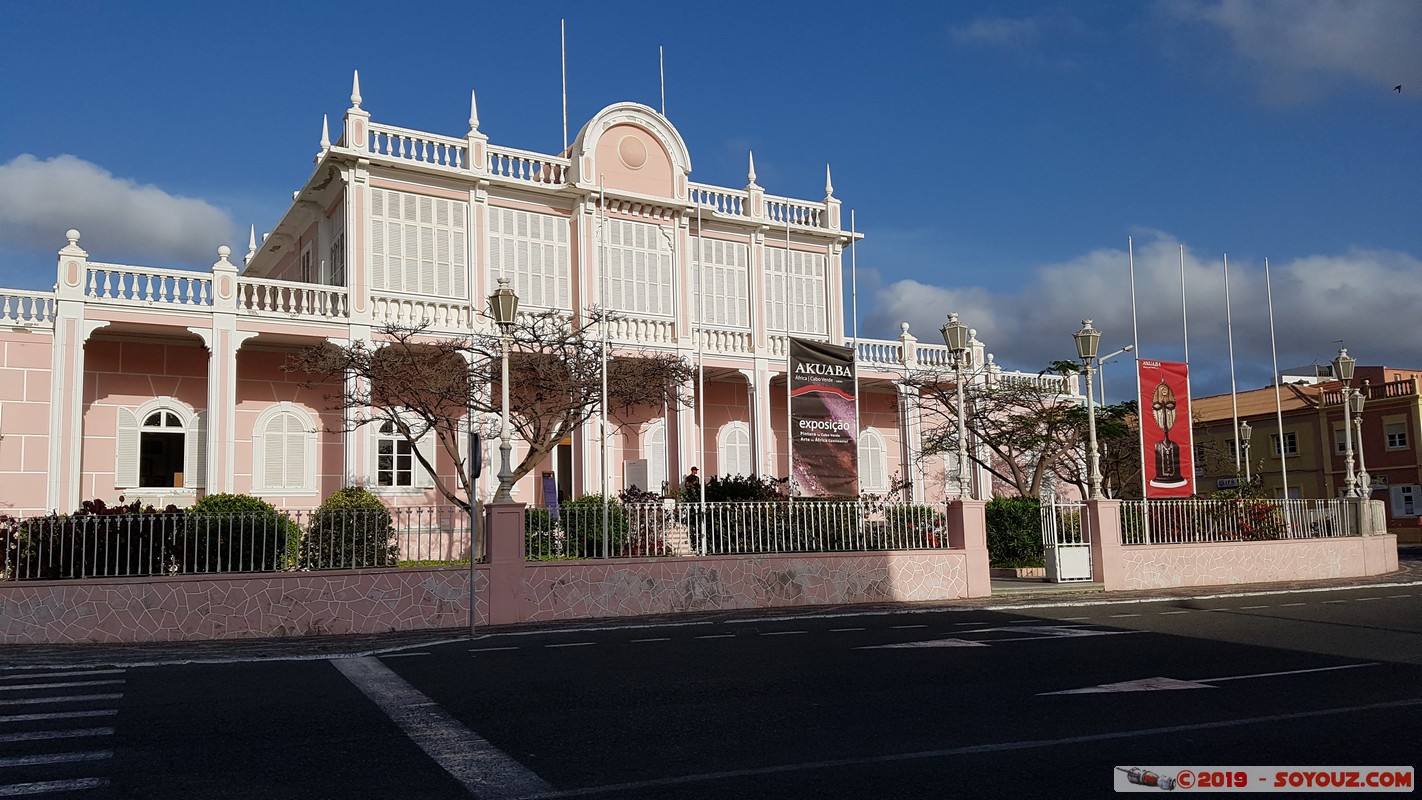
731 528
57 547
1232 520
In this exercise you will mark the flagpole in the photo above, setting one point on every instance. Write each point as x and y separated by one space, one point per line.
1233 390
1140 407
789 410
606 308
563 50
1185 326
854 309
1278 398
662 72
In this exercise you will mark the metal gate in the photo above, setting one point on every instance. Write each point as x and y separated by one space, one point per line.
1068 548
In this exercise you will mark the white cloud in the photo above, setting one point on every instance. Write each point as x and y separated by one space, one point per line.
1359 297
1294 43
997 32
40 200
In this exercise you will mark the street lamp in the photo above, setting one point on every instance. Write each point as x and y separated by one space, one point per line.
1365 481
956 335
1343 370
1101 379
1087 341
503 307
1244 433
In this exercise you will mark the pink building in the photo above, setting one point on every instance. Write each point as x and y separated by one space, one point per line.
163 385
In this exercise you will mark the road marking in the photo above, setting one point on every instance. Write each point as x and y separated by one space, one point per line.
1364 599
39 736
1160 683
484 770
489 649
1291 605
929 643
1327 602
1397 596
1173 612
1074 619
55 758
787 633
1250 608
844 630
66 674
98 712
48 787
402 655
65 685
77 698
1029 744
1118 616
654 639
718 636
902 627
570 644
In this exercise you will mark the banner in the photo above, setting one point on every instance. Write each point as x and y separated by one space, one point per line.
1165 428
824 445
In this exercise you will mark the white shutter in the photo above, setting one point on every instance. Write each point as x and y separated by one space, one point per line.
273 453
126 450
426 445
195 472
654 449
295 475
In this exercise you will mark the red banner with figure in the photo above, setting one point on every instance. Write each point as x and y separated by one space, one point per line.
1165 429
824 444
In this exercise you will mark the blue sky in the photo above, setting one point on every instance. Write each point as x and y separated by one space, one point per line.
997 155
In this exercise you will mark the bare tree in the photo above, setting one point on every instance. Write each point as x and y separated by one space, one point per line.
423 385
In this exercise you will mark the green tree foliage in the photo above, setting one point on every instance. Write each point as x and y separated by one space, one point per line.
351 528
1014 532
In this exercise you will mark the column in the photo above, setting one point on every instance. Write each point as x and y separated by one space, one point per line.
967 531
66 390
1103 526
911 439
223 340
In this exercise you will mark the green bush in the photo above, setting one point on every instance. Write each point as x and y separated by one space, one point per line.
582 526
541 535
237 533
97 540
351 529
1014 532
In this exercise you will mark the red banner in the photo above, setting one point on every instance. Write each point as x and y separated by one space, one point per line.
1165 429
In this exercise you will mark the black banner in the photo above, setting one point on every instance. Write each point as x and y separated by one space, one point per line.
824 442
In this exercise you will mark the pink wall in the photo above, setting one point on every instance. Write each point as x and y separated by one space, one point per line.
1161 566
24 421
261 383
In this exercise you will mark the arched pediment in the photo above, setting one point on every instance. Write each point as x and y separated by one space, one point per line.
630 147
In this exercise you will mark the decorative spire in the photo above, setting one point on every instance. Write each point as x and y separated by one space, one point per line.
355 90
251 245
750 175
325 133
473 113
829 184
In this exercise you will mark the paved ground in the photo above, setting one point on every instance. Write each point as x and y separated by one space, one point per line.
1007 594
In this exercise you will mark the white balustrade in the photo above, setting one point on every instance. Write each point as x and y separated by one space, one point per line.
724 342
651 332
728 202
148 285
527 167
878 351
794 212
267 297
436 315
421 148
933 356
26 309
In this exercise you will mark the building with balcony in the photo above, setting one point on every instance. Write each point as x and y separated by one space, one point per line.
161 385
1311 451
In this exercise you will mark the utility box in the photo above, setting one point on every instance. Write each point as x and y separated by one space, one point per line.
634 473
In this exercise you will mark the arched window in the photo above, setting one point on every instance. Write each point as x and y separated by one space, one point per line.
733 449
873 462
395 464
160 445
284 444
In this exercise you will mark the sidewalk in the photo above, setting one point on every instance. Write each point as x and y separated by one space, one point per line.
1013 592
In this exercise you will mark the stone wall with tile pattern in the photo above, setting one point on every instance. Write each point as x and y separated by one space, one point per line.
1161 566
197 608
660 586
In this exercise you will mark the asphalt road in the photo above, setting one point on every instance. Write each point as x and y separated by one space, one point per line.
950 702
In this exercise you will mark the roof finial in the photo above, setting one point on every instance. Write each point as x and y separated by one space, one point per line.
251 245
829 184
355 90
325 133
750 175
473 113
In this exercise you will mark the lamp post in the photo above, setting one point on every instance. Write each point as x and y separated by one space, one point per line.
1087 341
1101 379
1365 481
503 307
1244 433
1343 370
955 335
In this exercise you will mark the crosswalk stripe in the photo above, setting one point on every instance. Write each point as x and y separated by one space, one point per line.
64 685
73 698
49 787
37 736
55 758
98 712
65 674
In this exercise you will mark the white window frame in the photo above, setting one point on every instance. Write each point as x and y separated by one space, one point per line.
733 449
533 250
797 292
1291 438
305 444
128 435
1405 500
334 271
873 461
654 449
419 244
722 284
636 272
1395 434
420 479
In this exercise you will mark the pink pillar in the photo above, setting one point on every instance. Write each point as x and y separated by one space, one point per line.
967 531
503 530
1103 520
